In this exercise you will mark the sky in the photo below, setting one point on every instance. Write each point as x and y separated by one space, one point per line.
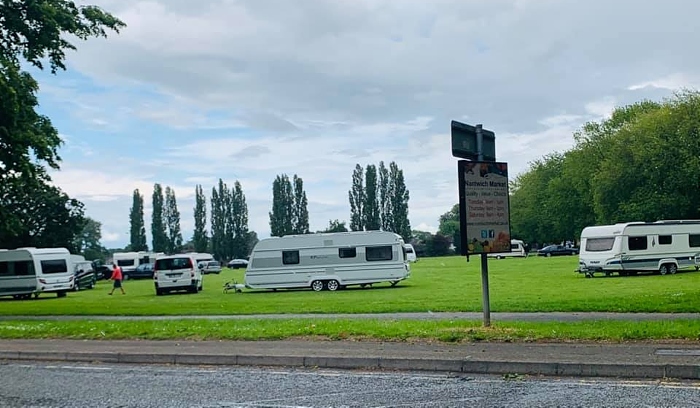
191 92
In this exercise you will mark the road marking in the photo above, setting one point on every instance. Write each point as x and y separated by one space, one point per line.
678 352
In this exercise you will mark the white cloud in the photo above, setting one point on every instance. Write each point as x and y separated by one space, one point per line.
671 82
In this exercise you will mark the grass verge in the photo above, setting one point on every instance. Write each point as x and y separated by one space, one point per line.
348 329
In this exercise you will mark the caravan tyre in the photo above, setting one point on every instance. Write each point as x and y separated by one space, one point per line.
332 285
672 269
317 285
663 269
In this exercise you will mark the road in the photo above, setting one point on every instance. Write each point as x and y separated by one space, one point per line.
83 385
498 316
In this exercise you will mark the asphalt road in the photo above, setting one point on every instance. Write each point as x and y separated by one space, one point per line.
54 385
499 316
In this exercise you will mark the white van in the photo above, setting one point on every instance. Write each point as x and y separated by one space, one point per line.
129 261
177 272
327 261
30 271
517 249
410 253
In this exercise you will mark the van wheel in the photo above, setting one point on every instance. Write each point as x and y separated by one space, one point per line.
672 269
159 292
549 254
125 277
61 294
332 285
663 269
317 285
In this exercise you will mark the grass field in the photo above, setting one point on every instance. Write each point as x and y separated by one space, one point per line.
437 284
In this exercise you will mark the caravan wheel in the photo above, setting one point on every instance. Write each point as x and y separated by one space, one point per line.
317 285
663 269
672 269
332 285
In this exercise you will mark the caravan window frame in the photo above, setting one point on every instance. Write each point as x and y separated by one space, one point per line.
633 241
666 239
375 254
53 266
606 248
345 253
694 240
290 257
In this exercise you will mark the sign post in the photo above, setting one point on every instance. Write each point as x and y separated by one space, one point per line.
483 200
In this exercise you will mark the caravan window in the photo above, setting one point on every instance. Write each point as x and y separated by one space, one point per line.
24 268
290 257
54 266
637 243
379 253
694 241
144 260
665 239
347 252
599 244
125 262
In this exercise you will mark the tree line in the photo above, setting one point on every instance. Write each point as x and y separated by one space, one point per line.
379 200
33 212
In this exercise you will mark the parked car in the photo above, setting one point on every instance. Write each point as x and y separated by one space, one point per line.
141 271
104 272
85 276
238 263
555 250
210 267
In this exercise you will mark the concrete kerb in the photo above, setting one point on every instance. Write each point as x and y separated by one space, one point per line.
650 371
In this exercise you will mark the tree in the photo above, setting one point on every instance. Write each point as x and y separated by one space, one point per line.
41 215
218 219
172 221
159 235
450 225
399 202
239 222
200 240
89 237
281 216
138 229
252 241
370 207
336 226
385 199
300 222
357 199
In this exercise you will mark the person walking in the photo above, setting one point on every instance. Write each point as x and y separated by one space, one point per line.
117 278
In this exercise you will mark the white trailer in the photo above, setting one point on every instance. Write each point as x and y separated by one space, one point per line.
663 247
328 261
517 249
30 271
129 261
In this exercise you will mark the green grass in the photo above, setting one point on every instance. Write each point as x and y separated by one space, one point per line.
389 330
437 284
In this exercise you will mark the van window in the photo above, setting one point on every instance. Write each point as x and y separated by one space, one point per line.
379 253
174 263
347 252
637 243
694 240
514 247
665 239
125 262
290 257
54 266
599 244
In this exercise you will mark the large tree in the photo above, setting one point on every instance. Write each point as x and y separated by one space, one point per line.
385 201
282 214
357 200
300 222
371 205
36 32
218 221
138 229
336 226
172 220
239 222
200 240
159 235
399 202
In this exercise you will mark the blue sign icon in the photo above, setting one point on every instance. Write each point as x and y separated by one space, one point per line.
484 234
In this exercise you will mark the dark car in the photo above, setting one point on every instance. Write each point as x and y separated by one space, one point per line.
237 263
104 272
85 276
555 250
141 271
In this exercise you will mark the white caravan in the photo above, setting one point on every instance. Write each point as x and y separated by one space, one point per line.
30 271
129 261
201 257
627 248
327 261
517 249
410 253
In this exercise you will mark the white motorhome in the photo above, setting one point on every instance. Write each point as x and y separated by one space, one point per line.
517 249
328 261
628 248
129 261
30 271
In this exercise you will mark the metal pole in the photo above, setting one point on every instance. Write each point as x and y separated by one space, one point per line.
486 304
